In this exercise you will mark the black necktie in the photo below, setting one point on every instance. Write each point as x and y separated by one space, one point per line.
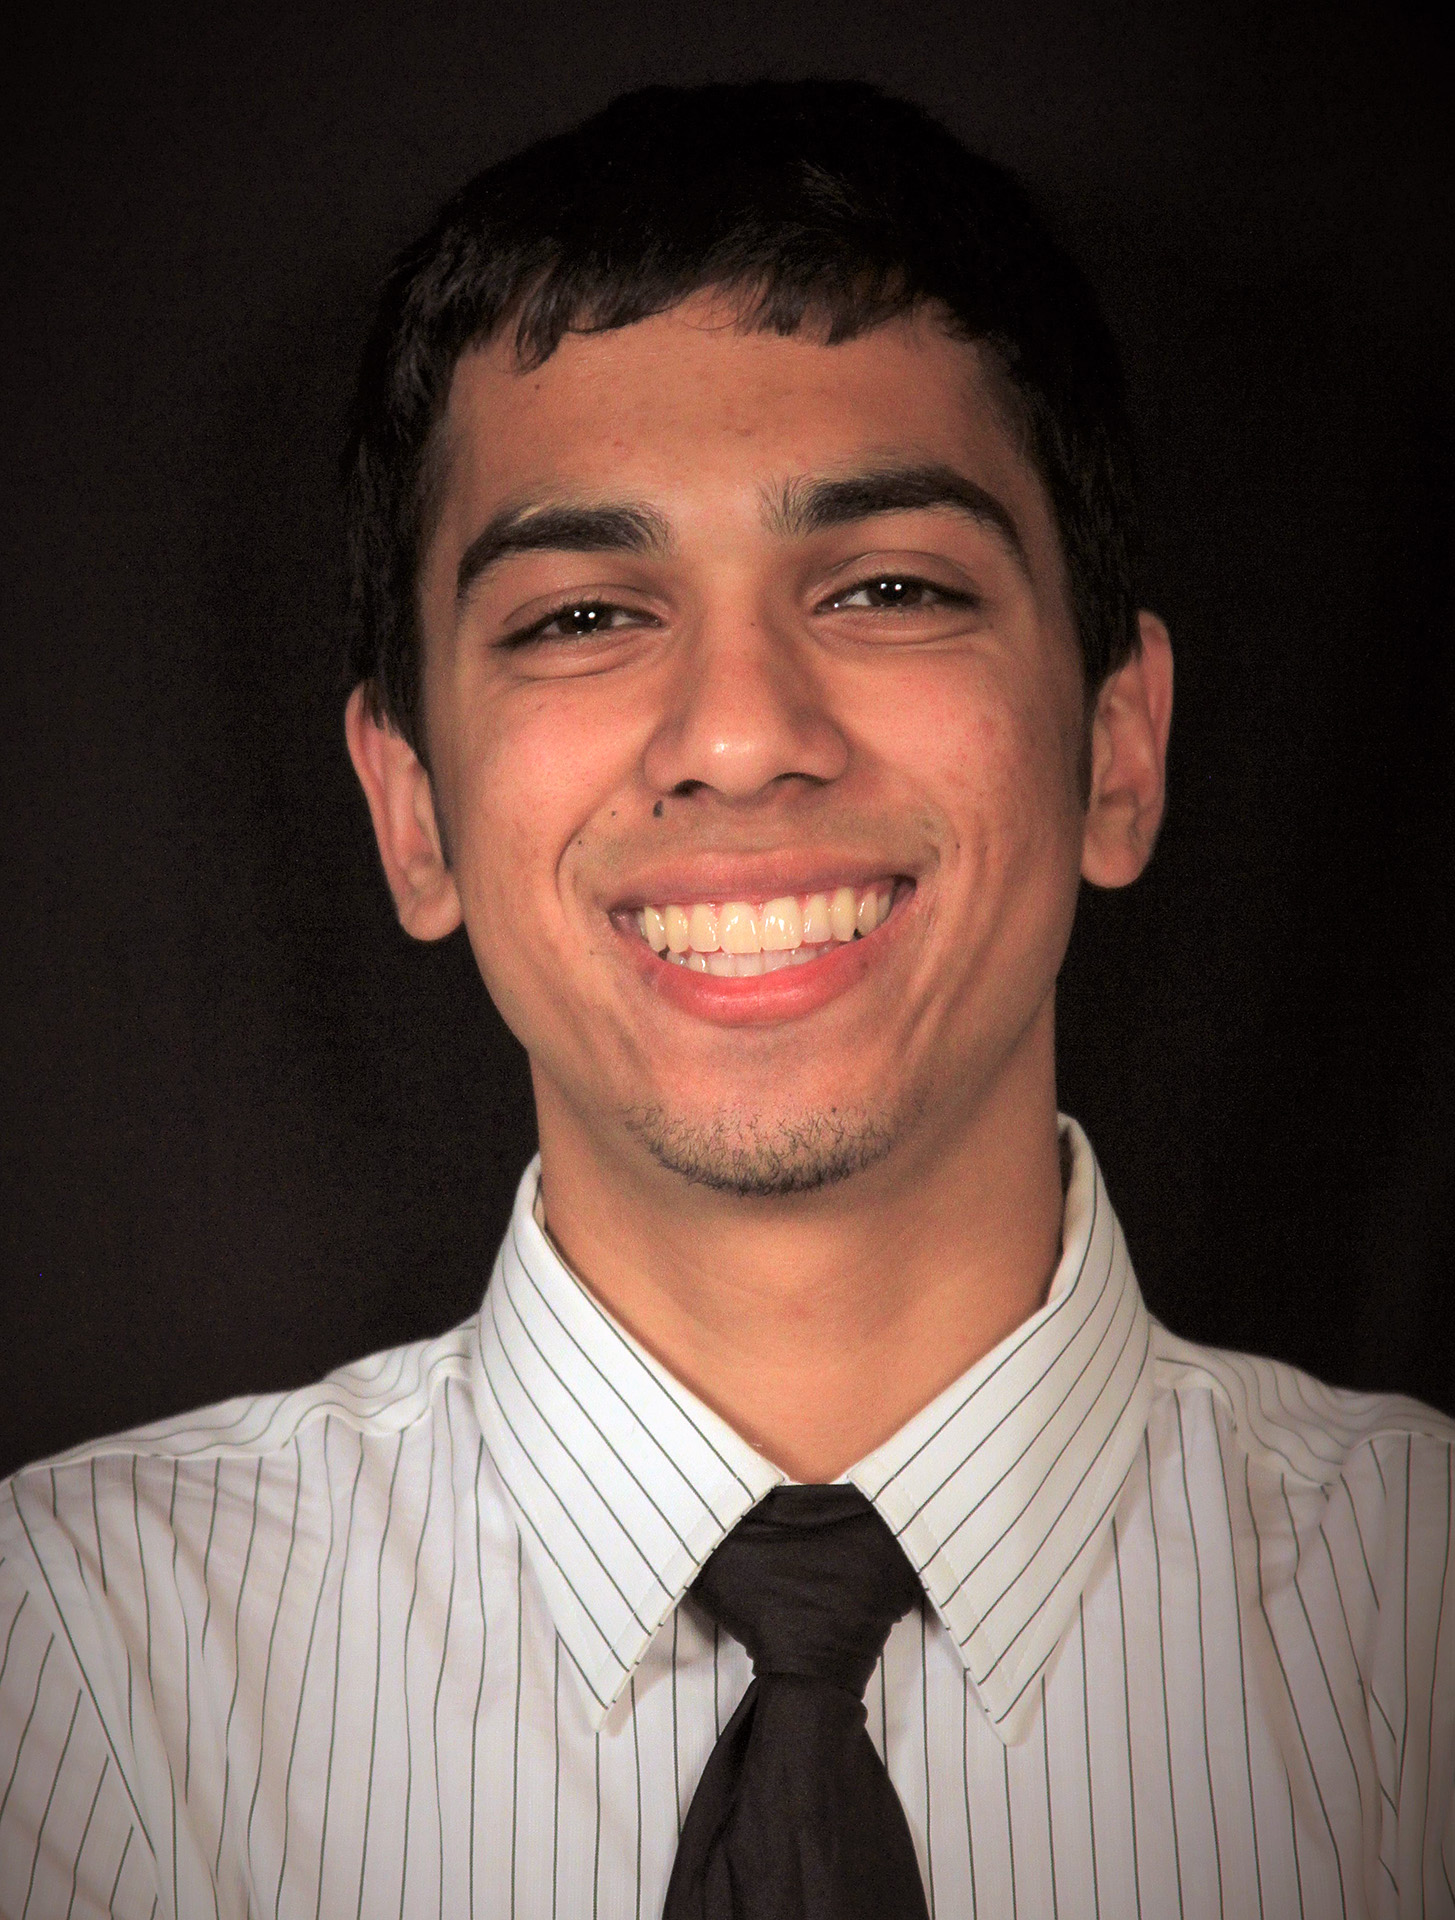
794 1817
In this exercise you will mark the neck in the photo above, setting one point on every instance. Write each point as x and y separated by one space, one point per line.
817 1325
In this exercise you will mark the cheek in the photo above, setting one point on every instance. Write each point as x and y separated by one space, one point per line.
1011 896
530 779
993 750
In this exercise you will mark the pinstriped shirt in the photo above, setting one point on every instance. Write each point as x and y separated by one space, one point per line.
414 1641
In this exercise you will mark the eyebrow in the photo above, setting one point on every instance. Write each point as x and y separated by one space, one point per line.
561 529
811 506
802 507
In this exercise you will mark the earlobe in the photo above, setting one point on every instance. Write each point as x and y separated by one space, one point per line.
401 805
1129 761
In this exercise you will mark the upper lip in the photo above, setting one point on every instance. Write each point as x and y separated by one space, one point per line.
759 877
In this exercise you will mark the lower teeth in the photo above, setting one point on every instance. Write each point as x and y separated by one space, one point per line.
741 966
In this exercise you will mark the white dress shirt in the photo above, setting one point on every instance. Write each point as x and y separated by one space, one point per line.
413 1641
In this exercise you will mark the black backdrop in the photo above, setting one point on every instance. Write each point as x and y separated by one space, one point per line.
249 1130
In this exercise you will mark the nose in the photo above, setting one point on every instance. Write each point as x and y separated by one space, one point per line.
747 712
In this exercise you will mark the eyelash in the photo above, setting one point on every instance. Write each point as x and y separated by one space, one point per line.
537 630
946 596
524 636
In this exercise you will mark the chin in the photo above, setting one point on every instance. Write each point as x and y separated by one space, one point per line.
754 1155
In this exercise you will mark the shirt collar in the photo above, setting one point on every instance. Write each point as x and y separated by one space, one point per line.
622 1481
1000 1491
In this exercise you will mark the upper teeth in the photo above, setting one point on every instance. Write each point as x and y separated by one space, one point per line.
772 933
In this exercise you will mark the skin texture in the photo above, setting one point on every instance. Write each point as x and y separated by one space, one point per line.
752 719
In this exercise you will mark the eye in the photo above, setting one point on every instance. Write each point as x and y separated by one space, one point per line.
579 620
896 593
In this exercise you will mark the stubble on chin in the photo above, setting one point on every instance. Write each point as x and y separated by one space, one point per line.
761 1156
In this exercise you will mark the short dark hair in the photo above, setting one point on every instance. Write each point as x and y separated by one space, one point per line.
810 201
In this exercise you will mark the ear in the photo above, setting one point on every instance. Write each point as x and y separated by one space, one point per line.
1129 761
401 803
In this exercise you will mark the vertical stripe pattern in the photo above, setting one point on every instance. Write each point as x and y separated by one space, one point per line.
414 1641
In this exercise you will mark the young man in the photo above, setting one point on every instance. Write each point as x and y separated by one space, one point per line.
747 657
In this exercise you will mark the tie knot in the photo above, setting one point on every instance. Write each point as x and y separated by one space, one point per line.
810 1582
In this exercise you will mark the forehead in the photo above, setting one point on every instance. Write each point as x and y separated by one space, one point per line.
679 407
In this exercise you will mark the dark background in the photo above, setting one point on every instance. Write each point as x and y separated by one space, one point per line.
249 1129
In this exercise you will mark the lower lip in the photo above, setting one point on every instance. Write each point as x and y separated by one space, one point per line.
763 999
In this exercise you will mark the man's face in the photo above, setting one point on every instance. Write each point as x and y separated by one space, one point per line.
717 619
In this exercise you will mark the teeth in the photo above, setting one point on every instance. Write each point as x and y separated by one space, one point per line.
737 928
733 966
736 966
818 926
781 926
844 913
738 939
674 923
702 930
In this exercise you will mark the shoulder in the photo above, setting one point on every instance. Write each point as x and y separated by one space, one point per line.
104 1517
1311 1476
384 1392
1284 1421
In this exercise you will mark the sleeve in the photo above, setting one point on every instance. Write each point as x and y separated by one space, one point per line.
1420 1597
1439 1874
71 1840
1443 1872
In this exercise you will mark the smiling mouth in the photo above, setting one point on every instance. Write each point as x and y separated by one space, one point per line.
737 939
